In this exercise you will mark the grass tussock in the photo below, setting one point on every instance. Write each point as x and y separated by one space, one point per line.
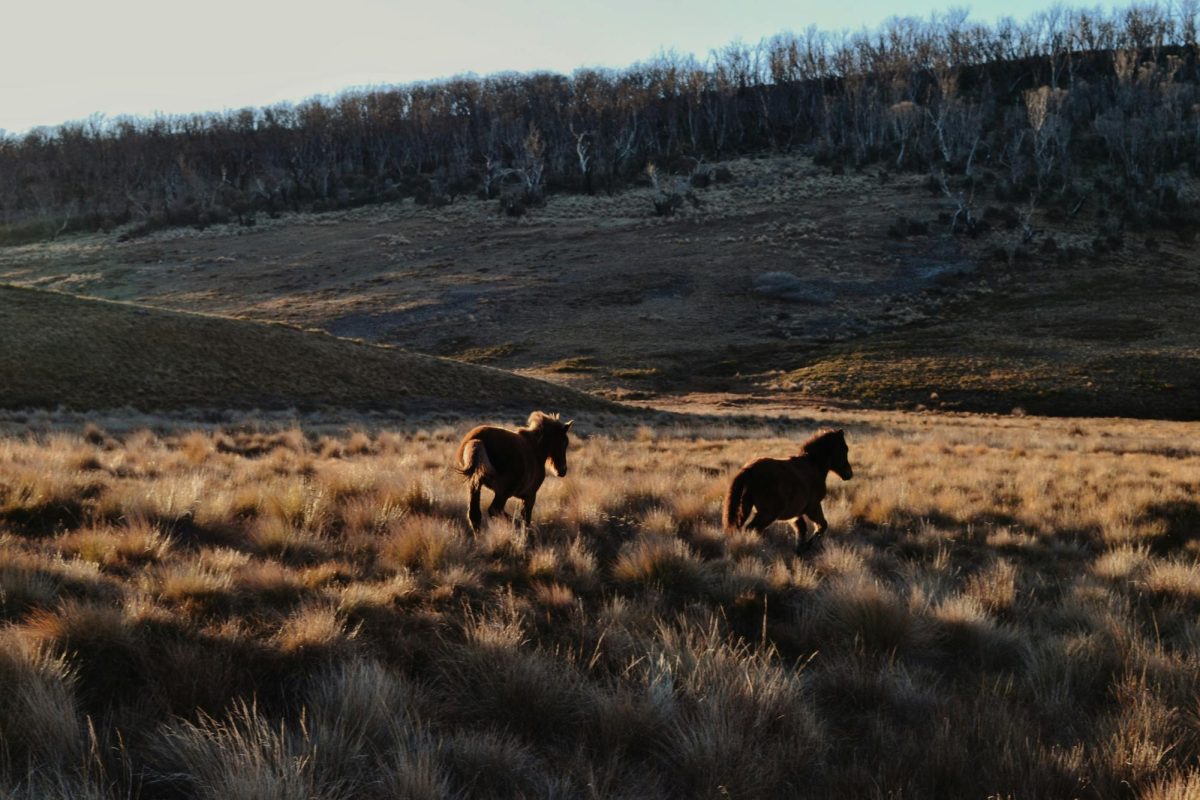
1000 607
662 562
40 721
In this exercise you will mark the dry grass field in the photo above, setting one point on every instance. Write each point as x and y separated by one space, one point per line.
235 562
1004 607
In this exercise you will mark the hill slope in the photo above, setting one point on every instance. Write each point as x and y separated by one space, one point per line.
62 350
788 281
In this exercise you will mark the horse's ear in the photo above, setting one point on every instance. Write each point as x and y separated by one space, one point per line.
569 423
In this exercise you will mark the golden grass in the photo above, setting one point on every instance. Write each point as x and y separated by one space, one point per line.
1003 606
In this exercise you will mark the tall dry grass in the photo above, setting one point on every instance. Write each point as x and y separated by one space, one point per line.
1003 607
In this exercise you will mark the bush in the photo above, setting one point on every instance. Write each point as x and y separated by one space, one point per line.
665 205
904 227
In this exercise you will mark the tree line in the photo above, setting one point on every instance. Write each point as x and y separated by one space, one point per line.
1065 107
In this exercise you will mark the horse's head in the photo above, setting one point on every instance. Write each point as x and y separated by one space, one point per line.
832 447
552 438
841 461
839 456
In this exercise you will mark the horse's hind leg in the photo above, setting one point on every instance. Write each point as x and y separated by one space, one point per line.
759 521
747 511
765 512
474 515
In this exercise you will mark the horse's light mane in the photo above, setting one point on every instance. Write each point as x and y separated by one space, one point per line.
540 420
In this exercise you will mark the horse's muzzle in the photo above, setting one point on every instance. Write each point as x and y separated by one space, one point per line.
559 472
845 474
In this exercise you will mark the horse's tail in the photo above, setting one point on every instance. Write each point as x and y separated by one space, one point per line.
475 463
737 502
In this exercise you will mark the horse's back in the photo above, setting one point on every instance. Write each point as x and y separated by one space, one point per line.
767 469
765 474
790 482
504 448
476 434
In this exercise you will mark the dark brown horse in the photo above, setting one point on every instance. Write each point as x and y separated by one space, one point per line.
769 489
512 463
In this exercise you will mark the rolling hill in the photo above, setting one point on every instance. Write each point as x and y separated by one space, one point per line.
61 350
789 283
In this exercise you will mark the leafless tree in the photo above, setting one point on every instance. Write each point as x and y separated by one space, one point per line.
1040 101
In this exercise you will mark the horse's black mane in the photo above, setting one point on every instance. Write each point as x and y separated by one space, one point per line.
819 442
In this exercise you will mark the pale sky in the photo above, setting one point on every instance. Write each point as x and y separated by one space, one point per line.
65 60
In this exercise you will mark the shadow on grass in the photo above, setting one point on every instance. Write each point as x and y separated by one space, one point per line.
1182 518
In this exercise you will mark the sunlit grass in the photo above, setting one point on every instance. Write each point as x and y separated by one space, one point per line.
1001 606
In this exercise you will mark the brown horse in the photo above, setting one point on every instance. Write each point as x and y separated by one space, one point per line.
769 489
512 463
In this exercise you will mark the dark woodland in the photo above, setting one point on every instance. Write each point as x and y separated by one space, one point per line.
1068 109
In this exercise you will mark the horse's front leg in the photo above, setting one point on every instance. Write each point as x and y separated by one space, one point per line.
800 529
527 509
815 513
496 509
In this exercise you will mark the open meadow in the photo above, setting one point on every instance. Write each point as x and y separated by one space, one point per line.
265 607
240 350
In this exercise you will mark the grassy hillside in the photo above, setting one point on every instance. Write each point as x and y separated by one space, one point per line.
789 281
1118 337
61 350
238 613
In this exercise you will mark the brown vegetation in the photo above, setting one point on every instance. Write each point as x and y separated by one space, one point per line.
1005 607
64 351
593 294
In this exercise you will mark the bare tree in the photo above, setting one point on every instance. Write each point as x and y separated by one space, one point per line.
941 92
